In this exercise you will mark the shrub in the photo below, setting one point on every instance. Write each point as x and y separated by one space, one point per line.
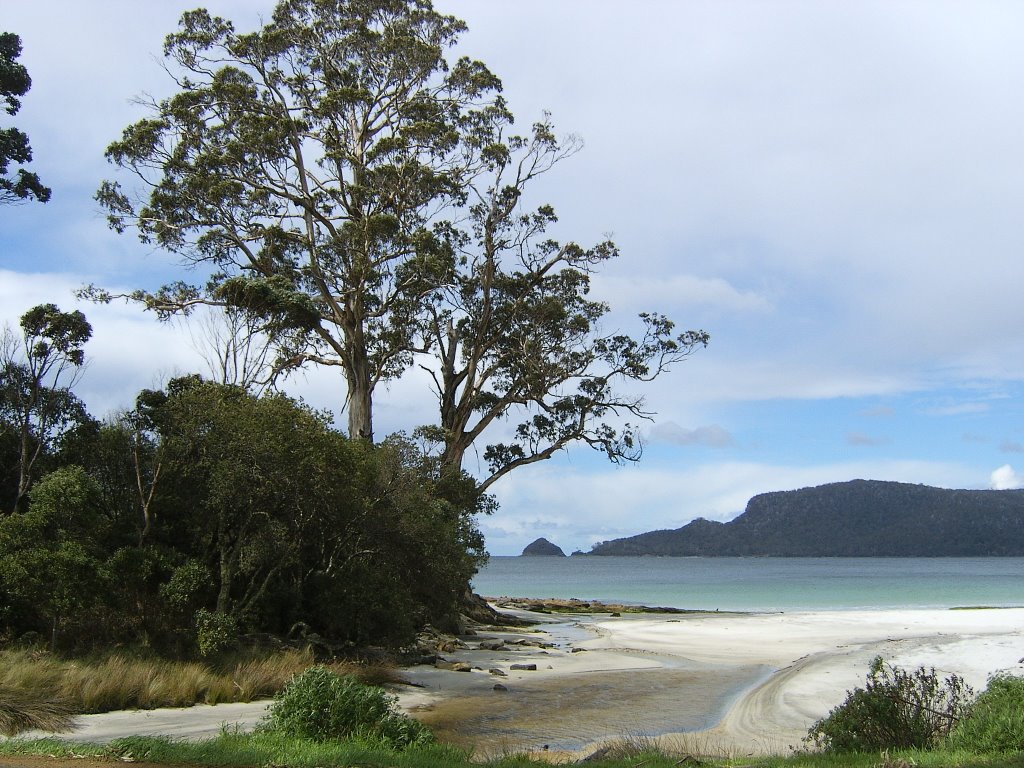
321 705
995 722
895 710
215 632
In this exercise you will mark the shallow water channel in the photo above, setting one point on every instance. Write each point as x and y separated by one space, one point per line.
570 711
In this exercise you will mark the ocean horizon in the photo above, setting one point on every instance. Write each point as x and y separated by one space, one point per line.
757 584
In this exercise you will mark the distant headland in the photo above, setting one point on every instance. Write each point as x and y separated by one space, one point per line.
859 518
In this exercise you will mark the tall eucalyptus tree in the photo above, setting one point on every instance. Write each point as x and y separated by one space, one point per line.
514 335
300 165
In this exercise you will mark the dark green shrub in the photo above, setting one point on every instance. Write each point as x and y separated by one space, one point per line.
995 722
215 632
321 705
895 710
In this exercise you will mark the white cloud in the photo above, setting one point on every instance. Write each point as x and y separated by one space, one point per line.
1005 479
712 436
680 292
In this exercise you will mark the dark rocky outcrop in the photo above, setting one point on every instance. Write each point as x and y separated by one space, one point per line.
860 518
543 548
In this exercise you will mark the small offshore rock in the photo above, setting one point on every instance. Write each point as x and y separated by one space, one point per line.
578 650
500 687
543 548
524 667
497 672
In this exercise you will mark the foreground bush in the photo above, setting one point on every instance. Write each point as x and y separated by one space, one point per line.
321 705
995 722
895 710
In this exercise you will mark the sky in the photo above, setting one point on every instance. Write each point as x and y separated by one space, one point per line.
831 190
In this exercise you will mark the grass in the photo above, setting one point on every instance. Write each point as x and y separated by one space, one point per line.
236 750
19 712
41 691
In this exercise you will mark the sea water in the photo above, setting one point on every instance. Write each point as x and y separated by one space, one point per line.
761 583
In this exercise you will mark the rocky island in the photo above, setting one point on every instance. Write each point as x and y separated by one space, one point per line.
542 548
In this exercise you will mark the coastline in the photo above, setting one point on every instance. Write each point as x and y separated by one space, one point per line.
818 656
700 683
759 680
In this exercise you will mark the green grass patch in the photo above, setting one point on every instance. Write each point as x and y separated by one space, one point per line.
238 750
995 722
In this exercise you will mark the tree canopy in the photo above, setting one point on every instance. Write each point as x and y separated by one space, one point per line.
14 144
300 164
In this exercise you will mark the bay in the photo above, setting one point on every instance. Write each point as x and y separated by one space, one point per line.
761 583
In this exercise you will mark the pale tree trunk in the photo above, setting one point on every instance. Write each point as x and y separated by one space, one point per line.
359 380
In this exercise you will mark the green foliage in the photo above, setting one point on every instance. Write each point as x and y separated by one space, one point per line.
37 373
51 559
896 709
215 632
14 146
321 705
995 722
187 584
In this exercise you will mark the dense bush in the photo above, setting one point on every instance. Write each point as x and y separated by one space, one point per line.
896 709
208 517
995 722
321 705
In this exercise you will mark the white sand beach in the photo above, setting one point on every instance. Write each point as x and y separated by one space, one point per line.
817 657
727 684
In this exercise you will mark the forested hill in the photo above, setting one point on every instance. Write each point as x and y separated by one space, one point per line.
860 518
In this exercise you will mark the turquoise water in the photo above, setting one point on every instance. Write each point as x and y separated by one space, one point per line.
761 583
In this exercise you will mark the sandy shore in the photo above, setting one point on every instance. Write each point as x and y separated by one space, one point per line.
817 657
723 684
733 684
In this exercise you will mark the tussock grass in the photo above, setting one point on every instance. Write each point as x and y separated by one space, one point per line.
22 711
37 682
